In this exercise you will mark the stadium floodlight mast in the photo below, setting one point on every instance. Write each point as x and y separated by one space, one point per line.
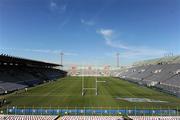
117 54
62 58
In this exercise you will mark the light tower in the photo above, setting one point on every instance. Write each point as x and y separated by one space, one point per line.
62 58
117 54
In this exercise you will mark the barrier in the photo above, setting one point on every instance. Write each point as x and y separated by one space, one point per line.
87 111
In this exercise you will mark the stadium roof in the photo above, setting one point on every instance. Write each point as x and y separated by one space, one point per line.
23 61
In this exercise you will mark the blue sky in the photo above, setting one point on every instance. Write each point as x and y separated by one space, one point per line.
90 31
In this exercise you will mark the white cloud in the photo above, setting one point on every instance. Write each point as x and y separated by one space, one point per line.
89 23
129 51
63 7
42 51
60 8
108 35
63 23
53 5
70 54
48 51
143 52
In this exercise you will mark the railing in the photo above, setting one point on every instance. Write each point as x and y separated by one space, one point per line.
88 111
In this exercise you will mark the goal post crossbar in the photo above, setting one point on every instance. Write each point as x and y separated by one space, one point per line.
90 88
96 83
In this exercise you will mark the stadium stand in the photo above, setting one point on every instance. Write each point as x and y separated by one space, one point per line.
155 117
91 118
27 117
86 72
160 73
167 59
7 86
52 117
18 73
89 70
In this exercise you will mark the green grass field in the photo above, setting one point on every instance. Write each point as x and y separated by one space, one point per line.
66 92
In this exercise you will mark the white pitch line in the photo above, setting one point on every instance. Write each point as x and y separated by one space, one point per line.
100 81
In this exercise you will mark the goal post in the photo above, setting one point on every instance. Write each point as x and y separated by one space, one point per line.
85 88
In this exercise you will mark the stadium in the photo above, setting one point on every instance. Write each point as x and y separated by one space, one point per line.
26 89
89 60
